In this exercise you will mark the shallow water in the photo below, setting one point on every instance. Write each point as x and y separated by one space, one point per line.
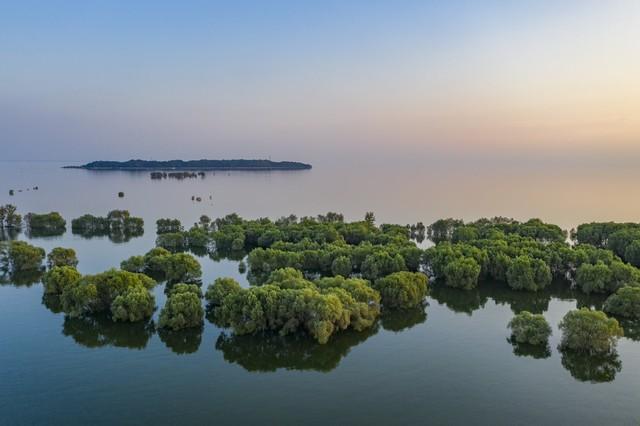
449 363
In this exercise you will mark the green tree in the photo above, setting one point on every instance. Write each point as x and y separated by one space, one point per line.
22 256
135 303
220 289
60 256
462 273
624 303
589 331
183 308
182 267
530 328
526 273
402 290
9 218
341 265
632 253
594 278
58 278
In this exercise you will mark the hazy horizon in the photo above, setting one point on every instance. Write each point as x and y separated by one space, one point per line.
414 81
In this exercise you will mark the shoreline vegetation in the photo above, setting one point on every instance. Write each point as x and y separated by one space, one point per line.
193 165
320 277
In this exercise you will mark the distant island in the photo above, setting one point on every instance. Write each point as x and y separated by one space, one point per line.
194 165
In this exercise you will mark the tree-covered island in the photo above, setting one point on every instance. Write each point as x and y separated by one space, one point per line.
193 165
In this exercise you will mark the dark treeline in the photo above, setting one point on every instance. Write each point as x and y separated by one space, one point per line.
194 165
118 225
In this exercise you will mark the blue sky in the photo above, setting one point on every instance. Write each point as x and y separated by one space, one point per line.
301 79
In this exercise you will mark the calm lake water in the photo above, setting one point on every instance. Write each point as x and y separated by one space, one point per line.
449 363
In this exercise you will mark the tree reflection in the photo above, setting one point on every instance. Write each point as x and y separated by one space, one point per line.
186 341
99 331
403 319
529 350
44 233
461 301
631 328
52 302
468 301
591 368
117 236
25 278
9 234
270 352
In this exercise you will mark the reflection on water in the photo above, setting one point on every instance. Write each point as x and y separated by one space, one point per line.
21 278
117 235
98 331
468 301
592 368
403 319
529 350
182 342
44 233
52 302
270 352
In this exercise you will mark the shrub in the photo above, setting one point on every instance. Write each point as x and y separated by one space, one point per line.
19 256
589 331
341 265
58 278
60 256
625 303
594 278
183 308
462 273
220 289
402 289
525 273
133 304
530 328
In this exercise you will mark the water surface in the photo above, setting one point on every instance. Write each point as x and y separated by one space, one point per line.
449 363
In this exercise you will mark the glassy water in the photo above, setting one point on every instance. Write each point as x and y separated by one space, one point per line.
449 363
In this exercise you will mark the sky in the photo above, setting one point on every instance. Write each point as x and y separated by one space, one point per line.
302 80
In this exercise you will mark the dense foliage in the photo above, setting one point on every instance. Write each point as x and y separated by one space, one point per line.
60 256
589 331
530 328
19 256
402 290
119 225
183 308
9 218
60 277
46 223
288 303
166 266
93 294
624 303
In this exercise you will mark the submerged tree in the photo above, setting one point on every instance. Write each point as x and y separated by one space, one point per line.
60 256
183 308
402 289
530 328
462 273
589 331
625 303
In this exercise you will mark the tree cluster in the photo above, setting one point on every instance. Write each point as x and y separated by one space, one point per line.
165 266
118 225
288 303
9 217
